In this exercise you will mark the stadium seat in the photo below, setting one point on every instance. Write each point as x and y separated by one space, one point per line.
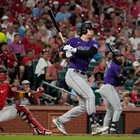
96 63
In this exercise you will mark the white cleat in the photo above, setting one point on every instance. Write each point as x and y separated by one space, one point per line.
99 129
59 125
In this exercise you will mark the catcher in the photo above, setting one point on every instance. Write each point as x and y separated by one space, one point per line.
10 112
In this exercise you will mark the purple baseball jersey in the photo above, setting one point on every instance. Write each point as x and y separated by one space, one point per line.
111 74
77 62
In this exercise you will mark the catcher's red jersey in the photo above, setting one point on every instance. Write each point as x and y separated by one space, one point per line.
5 91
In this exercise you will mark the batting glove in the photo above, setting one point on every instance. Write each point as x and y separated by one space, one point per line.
68 54
70 48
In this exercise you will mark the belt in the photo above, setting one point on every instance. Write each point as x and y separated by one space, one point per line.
79 71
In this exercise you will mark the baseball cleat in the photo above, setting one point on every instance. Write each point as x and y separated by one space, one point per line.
43 132
114 132
99 129
59 125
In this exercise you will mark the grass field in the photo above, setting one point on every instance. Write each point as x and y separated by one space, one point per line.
70 137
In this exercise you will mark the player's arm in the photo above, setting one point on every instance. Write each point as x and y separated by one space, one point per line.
86 53
121 79
82 53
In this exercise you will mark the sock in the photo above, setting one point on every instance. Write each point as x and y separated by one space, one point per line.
113 126
93 119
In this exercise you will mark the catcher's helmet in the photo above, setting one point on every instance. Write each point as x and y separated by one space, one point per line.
3 73
86 25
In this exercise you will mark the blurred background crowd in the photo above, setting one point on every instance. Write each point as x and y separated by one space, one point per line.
29 42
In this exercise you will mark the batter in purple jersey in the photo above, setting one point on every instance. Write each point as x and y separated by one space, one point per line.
112 78
80 50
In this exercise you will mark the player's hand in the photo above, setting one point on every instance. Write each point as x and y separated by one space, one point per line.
68 54
70 48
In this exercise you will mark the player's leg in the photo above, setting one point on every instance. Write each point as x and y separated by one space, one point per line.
112 97
86 101
8 113
28 117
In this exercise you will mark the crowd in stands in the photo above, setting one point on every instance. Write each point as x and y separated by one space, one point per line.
29 42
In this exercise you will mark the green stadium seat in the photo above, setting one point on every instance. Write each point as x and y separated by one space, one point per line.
98 98
127 69
91 68
61 75
96 63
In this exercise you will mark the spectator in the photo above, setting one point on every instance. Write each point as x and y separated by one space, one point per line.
27 62
108 56
16 85
33 46
121 90
37 11
25 40
42 63
55 7
129 52
135 39
137 53
18 30
135 95
10 33
126 100
9 59
61 102
125 61
41 23
16 46
26 88
99 77
63 14
101 66
5 21
52 73
22 8
76 14
44 36
136 67
91 80
2 37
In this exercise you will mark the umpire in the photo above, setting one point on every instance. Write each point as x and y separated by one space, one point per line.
112 79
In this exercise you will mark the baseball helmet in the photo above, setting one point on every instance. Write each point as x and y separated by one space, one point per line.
117 53
3 73
40 89
86 25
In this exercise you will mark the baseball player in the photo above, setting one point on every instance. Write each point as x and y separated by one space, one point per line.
10 112
80 50
112 79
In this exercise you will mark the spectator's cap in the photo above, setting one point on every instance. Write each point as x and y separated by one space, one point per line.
125 94
5 17
67 3
136 63
55 2
24 82
109 10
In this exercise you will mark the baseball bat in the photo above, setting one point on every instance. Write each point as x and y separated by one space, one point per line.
110 47
61 89
56 26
